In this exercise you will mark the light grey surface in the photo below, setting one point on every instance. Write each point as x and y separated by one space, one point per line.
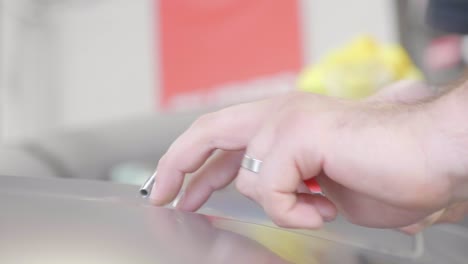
78 221
17 161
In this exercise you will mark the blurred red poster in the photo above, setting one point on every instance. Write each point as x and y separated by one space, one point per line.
205 44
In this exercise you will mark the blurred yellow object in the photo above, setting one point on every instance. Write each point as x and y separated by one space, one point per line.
358 69
288 245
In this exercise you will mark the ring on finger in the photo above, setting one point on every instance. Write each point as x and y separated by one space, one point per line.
251 164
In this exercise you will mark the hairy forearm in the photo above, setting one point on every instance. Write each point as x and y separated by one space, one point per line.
449 113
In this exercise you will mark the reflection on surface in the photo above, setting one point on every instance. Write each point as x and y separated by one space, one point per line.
229 203
51 227
190 238
88 231
53 221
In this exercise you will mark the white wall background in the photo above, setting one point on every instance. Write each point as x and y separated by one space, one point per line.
327 24
27 58
107 60
70 63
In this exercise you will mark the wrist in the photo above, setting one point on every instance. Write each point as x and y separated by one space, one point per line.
448 140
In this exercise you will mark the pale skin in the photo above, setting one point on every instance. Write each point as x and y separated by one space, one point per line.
395 160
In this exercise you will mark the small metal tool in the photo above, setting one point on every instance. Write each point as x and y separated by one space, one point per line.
145 189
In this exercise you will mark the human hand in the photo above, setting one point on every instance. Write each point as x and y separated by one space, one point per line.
378 161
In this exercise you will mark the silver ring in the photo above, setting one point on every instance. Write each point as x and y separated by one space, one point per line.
251 164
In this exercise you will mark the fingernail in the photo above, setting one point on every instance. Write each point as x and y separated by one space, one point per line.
328 213
178 200
329 218
175 202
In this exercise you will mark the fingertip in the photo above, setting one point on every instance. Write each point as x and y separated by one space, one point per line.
189 202
302 214
412 229
196 193
165 189
215 174
178 200
157 200
154 196
326 208
193 197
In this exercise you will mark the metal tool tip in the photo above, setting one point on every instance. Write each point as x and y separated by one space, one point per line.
144 193
146 188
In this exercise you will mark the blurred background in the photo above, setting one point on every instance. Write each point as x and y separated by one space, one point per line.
99 89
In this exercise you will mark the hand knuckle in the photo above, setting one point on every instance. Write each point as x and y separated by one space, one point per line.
163 161
205 120
291 123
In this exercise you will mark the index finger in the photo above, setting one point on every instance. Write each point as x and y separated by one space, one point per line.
227 129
